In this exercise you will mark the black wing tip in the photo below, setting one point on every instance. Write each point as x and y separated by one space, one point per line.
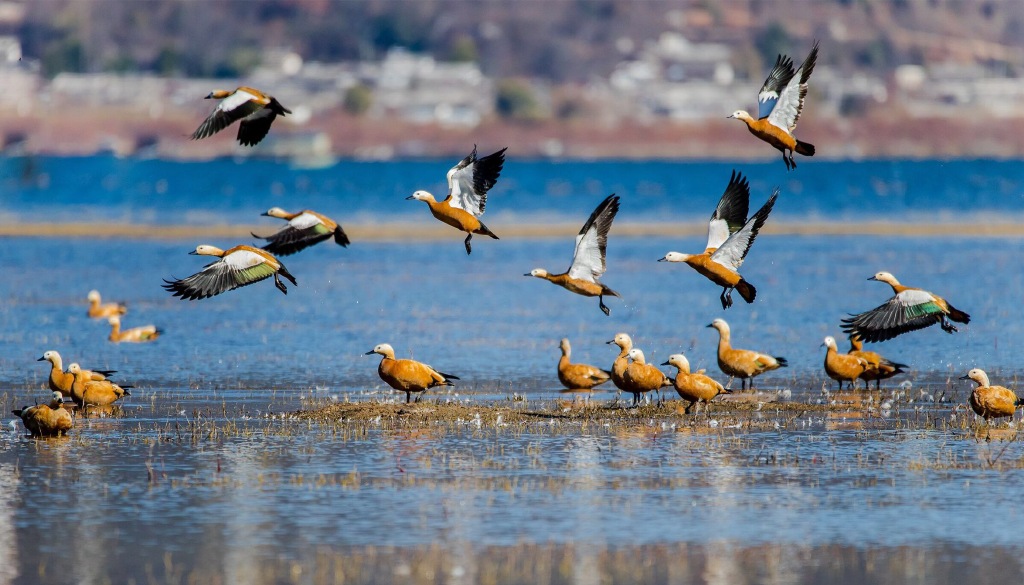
783 362
341 238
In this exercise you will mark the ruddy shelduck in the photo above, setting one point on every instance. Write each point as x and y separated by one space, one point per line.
61 381
879 368
578 376
255 109
47 420
88 392
304 229
618 371
730 236
588 259
140 334
408 375
742 363
641 377
468 184
842 366
779 105
694 388
236 267
991 401
98 309
910 309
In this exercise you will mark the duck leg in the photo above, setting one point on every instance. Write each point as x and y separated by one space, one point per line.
469 248
408 397
280 285
726 297
604 308
946 325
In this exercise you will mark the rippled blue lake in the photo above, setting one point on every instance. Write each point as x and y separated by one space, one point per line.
121 492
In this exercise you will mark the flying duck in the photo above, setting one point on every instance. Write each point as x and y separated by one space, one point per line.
779 104
588 262
98 309
468 184
841 366
742 363
255 109
578 376
694 388
61 381
408 375
88 392
304 229
134 335
879 368
730 235
236 267
991 401
911 309
46 420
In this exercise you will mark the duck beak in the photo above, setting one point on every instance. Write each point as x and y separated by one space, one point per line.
193 253
664 363
41 360
663 259
965 377
609 342
527 274
410 198
710 325
872 278
369 352
265 214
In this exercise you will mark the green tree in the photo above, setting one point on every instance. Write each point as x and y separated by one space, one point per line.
358 99
514 99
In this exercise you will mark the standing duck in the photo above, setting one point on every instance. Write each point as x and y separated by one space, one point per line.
578 376
61 381
618 371
694 388
779 104
236 267
730 236
911 309
468 184
879 368
408 375
641 377
99 309
88 392
46 420
255 109
841 366
991 401
588 260
304 229
742 363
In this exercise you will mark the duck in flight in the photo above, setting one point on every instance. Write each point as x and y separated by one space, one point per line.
235 267
730 236
909 310
779 104
304 229
588 260
468 184
255 109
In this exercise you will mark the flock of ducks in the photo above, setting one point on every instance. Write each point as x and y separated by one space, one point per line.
730 236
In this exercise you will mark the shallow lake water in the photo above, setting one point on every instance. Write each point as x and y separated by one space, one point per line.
206 474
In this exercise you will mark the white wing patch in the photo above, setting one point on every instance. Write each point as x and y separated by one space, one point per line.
304 221
235 100
587 263
460 188
718 233
912 298
243 259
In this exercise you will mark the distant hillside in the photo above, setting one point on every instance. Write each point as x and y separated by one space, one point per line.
558 40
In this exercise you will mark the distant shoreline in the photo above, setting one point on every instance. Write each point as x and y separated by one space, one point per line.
411 231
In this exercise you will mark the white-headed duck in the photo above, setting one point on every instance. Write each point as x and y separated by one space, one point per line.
909 310
742 363
236 267
304 229
98 309
408 375
255 109
47 420
991 401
